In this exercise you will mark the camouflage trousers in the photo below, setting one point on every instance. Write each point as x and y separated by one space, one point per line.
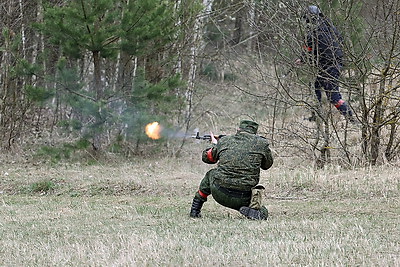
229 198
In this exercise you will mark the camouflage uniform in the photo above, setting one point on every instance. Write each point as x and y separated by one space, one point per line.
239 158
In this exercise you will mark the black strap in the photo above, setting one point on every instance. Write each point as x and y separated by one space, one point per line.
233 192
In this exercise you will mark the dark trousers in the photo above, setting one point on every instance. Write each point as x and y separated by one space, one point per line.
328 79
229 198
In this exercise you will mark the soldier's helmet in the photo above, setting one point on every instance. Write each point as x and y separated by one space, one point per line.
312 14
248 126
314 10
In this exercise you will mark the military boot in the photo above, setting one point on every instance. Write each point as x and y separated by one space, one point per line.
197 204
256 197
261 214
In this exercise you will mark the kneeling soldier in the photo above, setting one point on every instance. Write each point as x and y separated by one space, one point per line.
234 183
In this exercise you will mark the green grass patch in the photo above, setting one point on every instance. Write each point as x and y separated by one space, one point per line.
42 187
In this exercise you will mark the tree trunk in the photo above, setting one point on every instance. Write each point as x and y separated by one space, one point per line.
239 27
377 121
97 75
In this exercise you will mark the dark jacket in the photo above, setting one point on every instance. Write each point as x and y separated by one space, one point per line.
324 45
239 158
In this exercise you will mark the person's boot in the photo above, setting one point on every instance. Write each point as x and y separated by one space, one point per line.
195 211
264 212
256 197
345 110
261 214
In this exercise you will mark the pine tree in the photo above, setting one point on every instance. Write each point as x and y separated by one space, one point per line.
96 34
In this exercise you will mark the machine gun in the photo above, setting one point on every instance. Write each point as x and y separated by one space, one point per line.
207 136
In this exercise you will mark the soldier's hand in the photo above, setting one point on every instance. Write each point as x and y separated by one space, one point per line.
213 139
298 61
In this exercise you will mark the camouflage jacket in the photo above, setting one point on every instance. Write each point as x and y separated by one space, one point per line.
239 158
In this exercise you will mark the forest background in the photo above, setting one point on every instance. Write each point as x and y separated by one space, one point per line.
87 76
82 184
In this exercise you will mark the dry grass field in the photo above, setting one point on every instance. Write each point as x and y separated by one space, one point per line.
136 214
